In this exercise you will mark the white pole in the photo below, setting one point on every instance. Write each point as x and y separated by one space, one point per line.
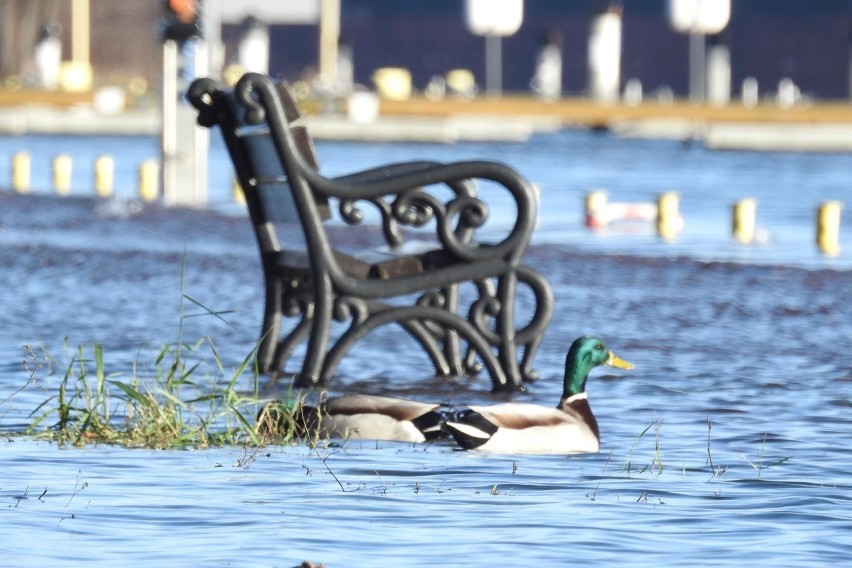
169 126
212 14
184 144
329 37
200 136
604 60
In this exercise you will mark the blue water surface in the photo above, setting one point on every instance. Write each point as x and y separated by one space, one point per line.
729 444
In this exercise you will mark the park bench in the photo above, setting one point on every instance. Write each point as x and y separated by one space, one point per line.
452 293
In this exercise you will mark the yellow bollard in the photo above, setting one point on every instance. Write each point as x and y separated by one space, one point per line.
104 175
595 205
21 170
669 221
149 180
62 167
239 196
744 225
828 227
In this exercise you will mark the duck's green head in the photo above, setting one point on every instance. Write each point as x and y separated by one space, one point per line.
585 354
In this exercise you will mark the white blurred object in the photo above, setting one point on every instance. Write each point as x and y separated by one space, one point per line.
48 56
494 17
547 82
109 100
363 107
749 92
605 56
789 93
253 51
718 73
633 92
436 90
699 16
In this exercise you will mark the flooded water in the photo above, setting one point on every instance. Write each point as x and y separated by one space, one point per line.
729 444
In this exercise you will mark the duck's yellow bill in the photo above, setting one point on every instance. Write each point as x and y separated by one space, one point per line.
614 361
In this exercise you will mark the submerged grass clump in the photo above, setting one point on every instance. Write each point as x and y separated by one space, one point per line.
171 402
171 408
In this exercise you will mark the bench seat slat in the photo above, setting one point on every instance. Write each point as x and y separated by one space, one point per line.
383 263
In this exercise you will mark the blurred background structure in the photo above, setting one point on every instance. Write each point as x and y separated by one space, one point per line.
642 68
798 45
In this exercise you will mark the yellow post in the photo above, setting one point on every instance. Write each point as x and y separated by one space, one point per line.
239 196
149 180
104 175
743 226
828 227
62 167
594 204
21 168
669 221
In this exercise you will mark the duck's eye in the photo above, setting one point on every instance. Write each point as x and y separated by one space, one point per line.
599 346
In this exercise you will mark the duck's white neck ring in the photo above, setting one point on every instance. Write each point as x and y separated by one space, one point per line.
578 396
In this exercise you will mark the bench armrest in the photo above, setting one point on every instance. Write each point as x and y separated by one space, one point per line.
400 193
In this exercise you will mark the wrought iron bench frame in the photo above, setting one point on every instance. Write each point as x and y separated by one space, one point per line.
316 283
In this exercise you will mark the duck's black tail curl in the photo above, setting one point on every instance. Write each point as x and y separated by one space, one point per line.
469 428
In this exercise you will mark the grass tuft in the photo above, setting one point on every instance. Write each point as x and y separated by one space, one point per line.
174 404
656 465
178 406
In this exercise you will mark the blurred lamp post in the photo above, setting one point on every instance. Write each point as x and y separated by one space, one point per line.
494 19
698 18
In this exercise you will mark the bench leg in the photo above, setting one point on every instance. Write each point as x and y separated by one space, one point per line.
320 329
271 324
530 336
359 310
434 323
288 344
496 307
443 366
406 315
507 289
452 347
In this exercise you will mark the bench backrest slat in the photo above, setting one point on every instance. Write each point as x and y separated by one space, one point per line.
264 178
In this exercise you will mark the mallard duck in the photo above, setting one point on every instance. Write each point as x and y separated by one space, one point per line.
516 427
357 416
